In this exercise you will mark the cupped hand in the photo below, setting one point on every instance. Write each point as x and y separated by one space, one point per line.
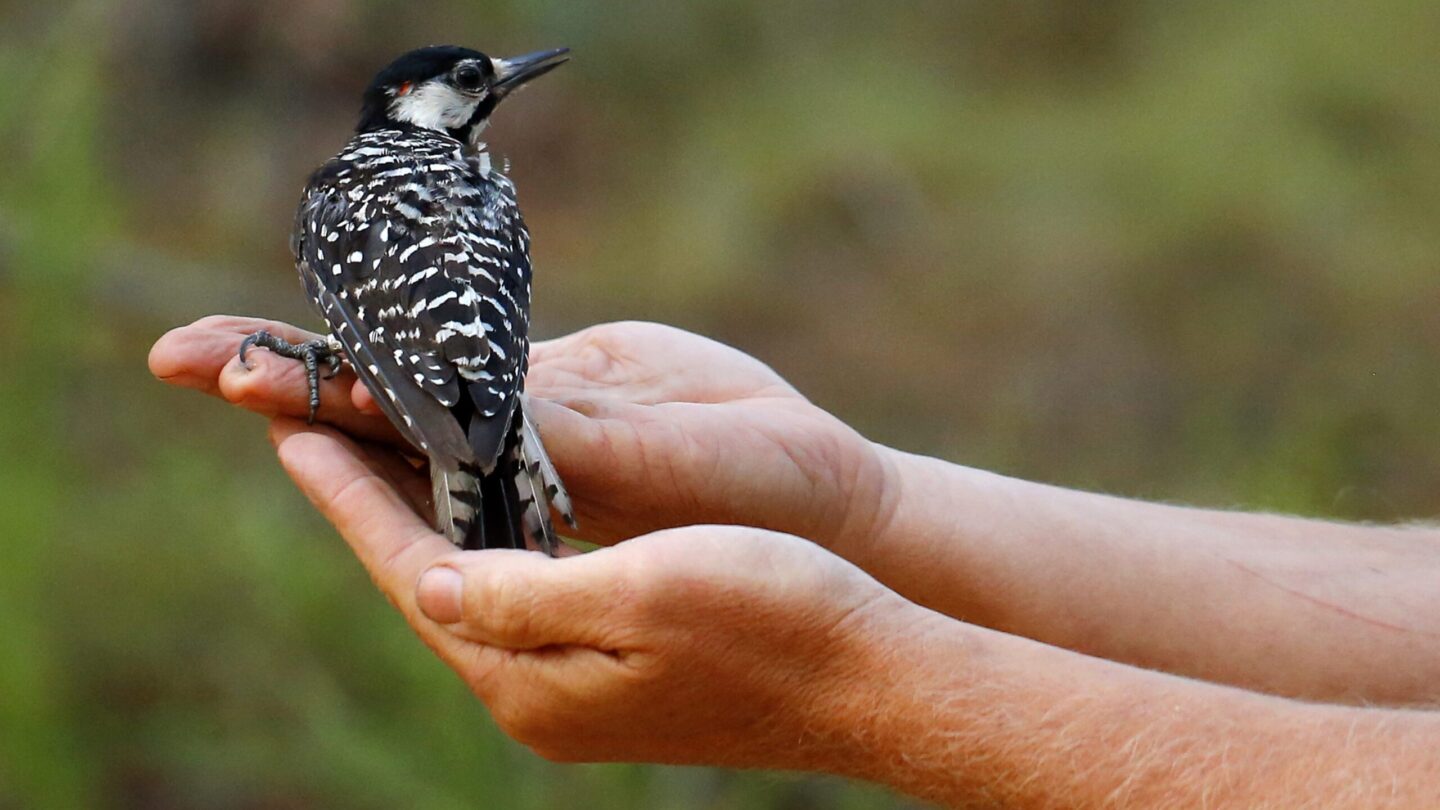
717 645
650 426
654 427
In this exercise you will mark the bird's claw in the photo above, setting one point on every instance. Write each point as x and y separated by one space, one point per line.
332 364
311 352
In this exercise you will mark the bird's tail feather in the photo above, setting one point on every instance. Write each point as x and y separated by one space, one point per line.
540 489
508 507
501 518
541 470
456 494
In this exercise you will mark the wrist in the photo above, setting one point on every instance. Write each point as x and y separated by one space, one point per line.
869 504
958 540
932 525
870 676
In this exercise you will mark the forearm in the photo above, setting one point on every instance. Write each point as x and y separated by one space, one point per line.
973 718
1290 606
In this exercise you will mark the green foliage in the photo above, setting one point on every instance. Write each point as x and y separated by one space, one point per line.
1176 250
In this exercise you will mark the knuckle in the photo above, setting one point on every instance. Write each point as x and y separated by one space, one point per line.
606 348
623 332
216 322
506 604
349 494
398 560
602 334
640 591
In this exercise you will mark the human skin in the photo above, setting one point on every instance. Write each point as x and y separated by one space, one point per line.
743 647
652 428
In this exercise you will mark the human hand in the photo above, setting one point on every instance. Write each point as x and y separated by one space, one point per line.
715 645
651 427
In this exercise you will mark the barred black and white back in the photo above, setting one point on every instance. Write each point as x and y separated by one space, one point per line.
412 247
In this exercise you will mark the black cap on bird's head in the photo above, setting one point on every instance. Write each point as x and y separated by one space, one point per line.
449 89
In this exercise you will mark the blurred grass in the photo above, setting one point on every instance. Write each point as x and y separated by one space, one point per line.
1176 250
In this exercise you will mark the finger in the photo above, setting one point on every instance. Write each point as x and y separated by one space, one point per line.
205 356
272 385
192 356
647 363
592 447
610 456
391 541
364 401
572 432
521 600
601 361
278 386
409 478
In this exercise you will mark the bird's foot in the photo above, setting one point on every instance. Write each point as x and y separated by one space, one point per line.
314 353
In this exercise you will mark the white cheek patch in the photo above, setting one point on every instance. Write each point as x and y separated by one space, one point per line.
435 105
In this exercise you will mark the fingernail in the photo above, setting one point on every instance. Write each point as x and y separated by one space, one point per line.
438 594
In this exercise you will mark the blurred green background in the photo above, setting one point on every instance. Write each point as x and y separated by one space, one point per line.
1177 250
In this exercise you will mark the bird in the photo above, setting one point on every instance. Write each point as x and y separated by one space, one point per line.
411 246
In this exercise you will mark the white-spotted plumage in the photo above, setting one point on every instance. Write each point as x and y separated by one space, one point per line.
414 251
411 246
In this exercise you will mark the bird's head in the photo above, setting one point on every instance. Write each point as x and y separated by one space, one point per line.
449 89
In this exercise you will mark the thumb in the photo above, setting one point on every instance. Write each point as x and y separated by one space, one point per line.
519 599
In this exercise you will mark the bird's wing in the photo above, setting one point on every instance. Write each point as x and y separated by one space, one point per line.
343 262
432 282
496 266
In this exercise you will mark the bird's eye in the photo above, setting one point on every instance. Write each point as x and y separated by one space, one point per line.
468 77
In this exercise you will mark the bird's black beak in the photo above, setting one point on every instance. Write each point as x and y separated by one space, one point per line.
511 73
